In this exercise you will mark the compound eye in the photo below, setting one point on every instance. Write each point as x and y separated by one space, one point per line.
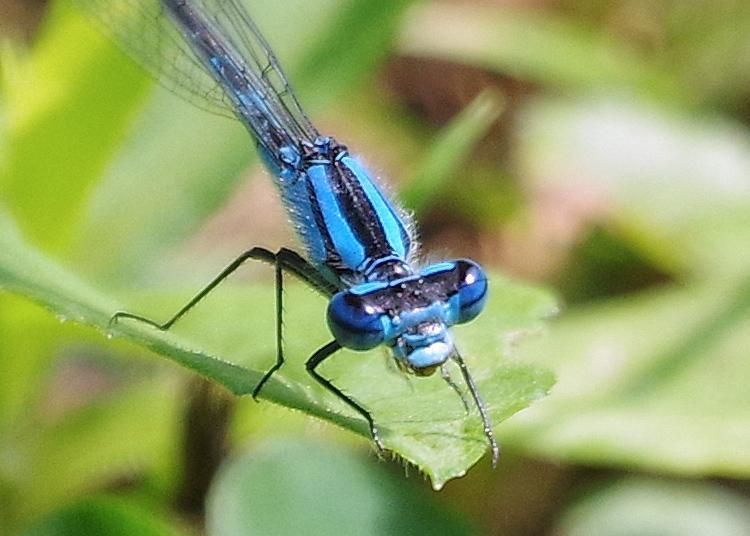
355 323
471 289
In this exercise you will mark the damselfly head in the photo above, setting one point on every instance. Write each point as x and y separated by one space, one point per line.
410 314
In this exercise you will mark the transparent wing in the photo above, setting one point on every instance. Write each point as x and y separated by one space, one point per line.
147 33
233 20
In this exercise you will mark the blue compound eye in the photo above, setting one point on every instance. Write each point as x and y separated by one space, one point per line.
354 322
471 290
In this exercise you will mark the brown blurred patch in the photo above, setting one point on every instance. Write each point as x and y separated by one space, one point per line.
19 19
438 90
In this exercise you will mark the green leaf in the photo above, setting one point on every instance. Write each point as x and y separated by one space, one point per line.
302 487
450 149
76 453
535 46
63 126
336 61
636 506
101 516
24 358
673 186
710 54
159 188
422 421
657 382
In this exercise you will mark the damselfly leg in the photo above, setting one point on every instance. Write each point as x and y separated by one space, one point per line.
285 260
317 358
445 373
291 261
486 423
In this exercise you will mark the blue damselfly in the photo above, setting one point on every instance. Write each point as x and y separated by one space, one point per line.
360 247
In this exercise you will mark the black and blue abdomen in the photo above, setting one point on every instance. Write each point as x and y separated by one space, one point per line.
343 217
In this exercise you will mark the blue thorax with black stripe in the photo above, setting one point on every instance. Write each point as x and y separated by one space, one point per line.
347 224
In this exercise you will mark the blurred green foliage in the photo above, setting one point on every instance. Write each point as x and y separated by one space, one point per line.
102 516
254 494
639 505
619 173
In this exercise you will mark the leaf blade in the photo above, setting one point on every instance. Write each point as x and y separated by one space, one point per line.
432 422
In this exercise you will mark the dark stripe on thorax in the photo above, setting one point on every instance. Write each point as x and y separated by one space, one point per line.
362 217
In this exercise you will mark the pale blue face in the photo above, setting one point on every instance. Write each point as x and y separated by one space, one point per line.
424 348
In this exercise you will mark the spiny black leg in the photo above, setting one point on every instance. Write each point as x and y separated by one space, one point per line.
317 358
445 373
255 253
286 258
279 330
292 262
486 423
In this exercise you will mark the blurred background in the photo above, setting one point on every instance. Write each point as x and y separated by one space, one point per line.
600 150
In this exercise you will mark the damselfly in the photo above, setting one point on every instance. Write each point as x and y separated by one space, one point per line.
360 248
